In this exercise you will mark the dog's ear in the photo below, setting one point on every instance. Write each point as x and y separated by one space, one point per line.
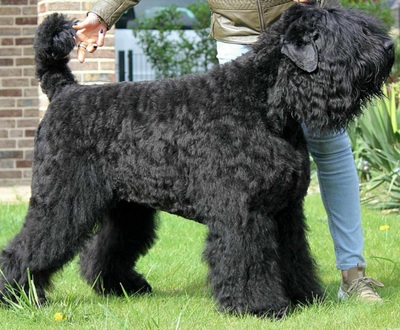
305 56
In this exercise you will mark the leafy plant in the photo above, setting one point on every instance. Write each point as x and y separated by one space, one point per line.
395 73
20 300
177 55
380 9
376 144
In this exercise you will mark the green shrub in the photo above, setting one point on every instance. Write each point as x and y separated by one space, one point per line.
379 9
172 57
376 144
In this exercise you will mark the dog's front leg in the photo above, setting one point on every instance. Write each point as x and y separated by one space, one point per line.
297 265
244 271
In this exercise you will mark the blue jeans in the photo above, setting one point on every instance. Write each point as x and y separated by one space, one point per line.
338 181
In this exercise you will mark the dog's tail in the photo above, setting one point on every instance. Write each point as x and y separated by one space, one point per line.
54 40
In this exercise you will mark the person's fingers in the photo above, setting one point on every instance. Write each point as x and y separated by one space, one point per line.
101 36
91 20
80 26
89 35
81 52
91 48
82 36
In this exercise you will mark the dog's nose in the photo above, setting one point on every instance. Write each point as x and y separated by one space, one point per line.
388 44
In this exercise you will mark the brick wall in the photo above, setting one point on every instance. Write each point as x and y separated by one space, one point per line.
21 102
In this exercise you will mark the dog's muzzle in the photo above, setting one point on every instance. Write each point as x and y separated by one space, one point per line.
388 45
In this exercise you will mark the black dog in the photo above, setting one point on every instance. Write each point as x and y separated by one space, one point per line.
224 148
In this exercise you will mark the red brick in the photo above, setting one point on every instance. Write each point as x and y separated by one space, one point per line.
24 41
28 154
10 31
28 51
31 92
28 103
41 9
34 82
14 72
27 123
28 30
30 133
29 10
10 51
29 72
16 133
29 113
10 113
15 82
25 143
26 21
24 61
14 2
7 41
7 123
27 174
6 62
6 20
109 65
11 154
12 11
7 163
10 92
64 6
99 77
8 102
3 133
89 66
10 174
7 144
24 163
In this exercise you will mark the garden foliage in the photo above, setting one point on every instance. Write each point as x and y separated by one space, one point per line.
171 51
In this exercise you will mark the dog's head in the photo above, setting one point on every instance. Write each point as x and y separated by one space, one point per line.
331 62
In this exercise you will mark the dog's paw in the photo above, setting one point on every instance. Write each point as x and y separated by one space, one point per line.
134 283
274 312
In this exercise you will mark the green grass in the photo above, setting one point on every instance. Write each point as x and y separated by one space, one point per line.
182 298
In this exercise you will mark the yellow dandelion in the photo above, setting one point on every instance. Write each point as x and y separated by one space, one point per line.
384 227
59 317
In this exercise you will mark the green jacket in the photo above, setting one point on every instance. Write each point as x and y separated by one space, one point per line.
241 21
234 21
111 10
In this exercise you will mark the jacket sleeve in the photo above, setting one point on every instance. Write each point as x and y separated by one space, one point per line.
111 10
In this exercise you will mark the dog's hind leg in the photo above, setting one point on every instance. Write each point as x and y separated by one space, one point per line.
51 236
298 267
244 270
108 261
64 208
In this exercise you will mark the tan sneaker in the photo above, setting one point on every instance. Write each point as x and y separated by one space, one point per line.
355 283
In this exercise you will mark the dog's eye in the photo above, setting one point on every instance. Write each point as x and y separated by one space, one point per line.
366 31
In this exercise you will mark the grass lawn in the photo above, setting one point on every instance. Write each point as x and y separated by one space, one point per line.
182 298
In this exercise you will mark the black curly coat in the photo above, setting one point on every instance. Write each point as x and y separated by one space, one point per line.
224 148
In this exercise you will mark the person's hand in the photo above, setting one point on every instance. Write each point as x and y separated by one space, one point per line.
90 35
